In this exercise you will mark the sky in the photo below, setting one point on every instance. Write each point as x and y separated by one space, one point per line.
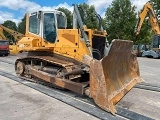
15 9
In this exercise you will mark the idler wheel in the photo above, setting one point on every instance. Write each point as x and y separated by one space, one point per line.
20 68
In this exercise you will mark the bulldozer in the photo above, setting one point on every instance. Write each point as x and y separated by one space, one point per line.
14 50
74 59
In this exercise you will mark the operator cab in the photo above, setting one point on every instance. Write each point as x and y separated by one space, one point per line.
46 23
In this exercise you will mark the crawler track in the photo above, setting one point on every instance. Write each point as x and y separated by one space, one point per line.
144 85
82 103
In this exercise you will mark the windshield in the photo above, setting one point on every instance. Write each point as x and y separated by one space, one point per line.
49 28
61 21
4 43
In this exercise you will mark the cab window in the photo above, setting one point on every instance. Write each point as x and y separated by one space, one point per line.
34 24
61 21
49 28
4 43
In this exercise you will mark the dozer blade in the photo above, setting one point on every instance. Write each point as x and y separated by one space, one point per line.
114 75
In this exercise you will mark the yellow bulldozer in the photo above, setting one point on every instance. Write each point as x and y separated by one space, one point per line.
74 59
14 50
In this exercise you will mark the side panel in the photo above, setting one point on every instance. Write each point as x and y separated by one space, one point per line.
70 44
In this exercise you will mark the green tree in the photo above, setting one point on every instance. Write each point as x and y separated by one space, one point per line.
12 25
120 20
88 15
68 15
22 25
